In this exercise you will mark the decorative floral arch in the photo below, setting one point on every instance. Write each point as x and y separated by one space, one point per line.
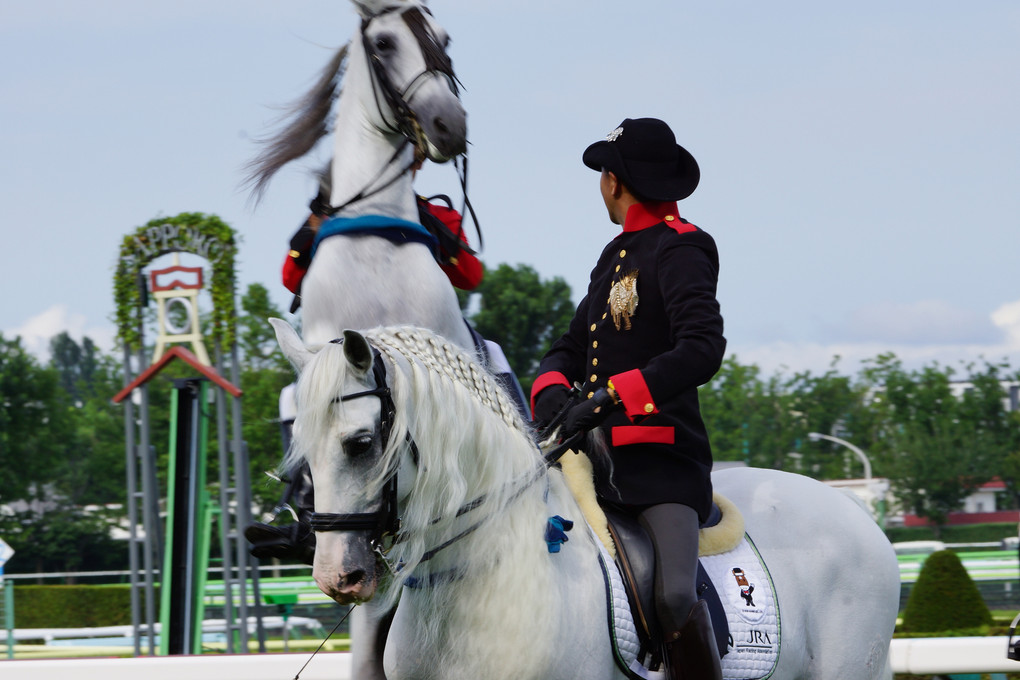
206 236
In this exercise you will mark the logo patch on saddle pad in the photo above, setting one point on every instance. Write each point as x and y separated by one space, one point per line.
748 596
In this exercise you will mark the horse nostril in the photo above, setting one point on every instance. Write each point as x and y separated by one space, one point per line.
352 579
440 125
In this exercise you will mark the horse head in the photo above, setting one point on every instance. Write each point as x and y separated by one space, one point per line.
392 84
412 76
341 430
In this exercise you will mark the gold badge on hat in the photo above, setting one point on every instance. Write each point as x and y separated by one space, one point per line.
623 299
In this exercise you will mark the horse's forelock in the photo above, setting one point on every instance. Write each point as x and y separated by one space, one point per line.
318 386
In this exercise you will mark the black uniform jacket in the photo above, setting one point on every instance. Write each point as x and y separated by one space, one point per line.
654 353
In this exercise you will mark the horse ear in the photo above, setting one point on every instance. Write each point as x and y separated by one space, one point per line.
290 342
358 351
365 8
370 8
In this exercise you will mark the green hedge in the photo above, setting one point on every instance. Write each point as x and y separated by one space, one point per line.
944 598
969 533
71 606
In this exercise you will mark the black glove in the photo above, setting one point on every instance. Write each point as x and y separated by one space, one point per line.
548 405
589 414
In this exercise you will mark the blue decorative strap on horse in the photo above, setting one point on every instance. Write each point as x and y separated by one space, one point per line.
556 532
392 228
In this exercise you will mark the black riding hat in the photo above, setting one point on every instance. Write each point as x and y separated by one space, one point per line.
644 154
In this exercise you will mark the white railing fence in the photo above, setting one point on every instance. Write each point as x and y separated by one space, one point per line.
919 656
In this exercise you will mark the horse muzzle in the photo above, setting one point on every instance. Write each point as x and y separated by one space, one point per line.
445 138
444 122
347 573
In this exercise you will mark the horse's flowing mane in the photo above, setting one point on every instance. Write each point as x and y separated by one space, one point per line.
472 444
304 124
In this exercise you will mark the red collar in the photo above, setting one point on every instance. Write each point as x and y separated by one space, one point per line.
643 215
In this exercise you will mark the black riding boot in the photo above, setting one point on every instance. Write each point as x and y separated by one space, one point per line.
690 651
293 541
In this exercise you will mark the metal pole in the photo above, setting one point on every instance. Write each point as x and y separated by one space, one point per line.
229 613
150 517
243 497
8 587
131 455
150 490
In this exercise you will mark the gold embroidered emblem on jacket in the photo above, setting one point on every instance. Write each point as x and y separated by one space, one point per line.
623 300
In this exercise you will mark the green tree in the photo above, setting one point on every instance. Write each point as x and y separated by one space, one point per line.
523 314
59 537
76 364
938 447
34 425
255 337
833 404
748 419
92 467
265 371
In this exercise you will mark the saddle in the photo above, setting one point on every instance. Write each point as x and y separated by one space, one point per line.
632 550
635 558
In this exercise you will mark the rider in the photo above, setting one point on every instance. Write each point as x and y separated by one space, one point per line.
455 256
645 336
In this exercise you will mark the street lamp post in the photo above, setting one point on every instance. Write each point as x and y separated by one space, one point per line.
815 436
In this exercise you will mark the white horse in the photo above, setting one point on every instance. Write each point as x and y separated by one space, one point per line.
398 106
398 423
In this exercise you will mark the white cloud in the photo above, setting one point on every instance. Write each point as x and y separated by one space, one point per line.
792 357
36 332
919 334
1007 318
922 323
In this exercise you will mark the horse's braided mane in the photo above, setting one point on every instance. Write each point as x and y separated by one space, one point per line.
307 124
451 362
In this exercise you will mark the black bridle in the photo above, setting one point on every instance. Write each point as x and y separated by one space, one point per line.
437 61
385 521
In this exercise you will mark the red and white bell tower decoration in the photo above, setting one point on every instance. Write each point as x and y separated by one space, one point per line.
178 285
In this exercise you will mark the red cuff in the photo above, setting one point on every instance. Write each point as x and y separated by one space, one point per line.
633 392
545 380
624 435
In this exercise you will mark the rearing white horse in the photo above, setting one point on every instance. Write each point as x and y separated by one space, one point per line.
398 106
406 433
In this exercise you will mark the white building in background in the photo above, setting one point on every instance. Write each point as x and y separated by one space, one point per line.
874 493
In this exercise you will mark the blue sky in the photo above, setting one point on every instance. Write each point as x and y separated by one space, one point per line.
859 161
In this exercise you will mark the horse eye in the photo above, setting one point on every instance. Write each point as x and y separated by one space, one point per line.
384 43
358 446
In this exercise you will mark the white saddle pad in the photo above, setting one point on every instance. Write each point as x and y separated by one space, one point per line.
748 596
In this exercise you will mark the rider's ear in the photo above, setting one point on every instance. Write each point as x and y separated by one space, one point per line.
290 342
358 351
